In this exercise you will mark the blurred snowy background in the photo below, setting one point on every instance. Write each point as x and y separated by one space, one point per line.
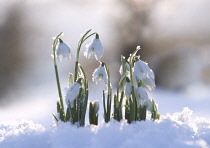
174 36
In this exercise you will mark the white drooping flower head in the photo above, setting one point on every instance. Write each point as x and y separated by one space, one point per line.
100 74
63 50
128 88
149 83
95 47
144 73
72 92
96 106
141 96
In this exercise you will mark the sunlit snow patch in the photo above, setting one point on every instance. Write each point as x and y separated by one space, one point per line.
179 130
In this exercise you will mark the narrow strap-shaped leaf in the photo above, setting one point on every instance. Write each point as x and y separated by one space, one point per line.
91 113
56 119
104 106
82 123
121 98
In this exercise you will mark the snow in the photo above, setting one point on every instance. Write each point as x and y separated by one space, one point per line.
178 130
179 127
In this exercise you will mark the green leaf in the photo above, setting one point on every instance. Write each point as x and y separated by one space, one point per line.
132 117
56 119
67 114
104 105
58 107
90 113
62 115
158 116
82 123
121 98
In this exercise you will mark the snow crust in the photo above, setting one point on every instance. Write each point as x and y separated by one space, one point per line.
179 130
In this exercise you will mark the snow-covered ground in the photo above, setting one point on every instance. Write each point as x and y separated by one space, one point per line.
172 131
30 124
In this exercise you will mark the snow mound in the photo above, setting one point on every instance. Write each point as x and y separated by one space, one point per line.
179 130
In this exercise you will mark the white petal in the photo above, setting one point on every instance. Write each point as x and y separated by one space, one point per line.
135 81
141 94
149 82
137 72
143 72
96 48
72 92
100 74
87 52
99 50
64 51
145 69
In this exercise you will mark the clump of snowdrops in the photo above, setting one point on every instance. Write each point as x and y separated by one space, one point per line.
131 98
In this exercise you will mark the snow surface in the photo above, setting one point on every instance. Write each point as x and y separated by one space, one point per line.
178 130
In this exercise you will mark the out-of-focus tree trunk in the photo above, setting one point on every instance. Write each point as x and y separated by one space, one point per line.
11 51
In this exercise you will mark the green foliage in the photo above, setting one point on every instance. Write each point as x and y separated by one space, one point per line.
107 102
93 113
155 115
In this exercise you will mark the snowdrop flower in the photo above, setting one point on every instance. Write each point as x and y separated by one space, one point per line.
141 96
144 73
63 50
72 92
128 88
100 74
96 106
95 47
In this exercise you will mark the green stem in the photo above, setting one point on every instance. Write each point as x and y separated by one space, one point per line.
132 84
119 84
131 110
89 36
78 105
84 38
56 70
70 113
109 97
84 102
104 105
